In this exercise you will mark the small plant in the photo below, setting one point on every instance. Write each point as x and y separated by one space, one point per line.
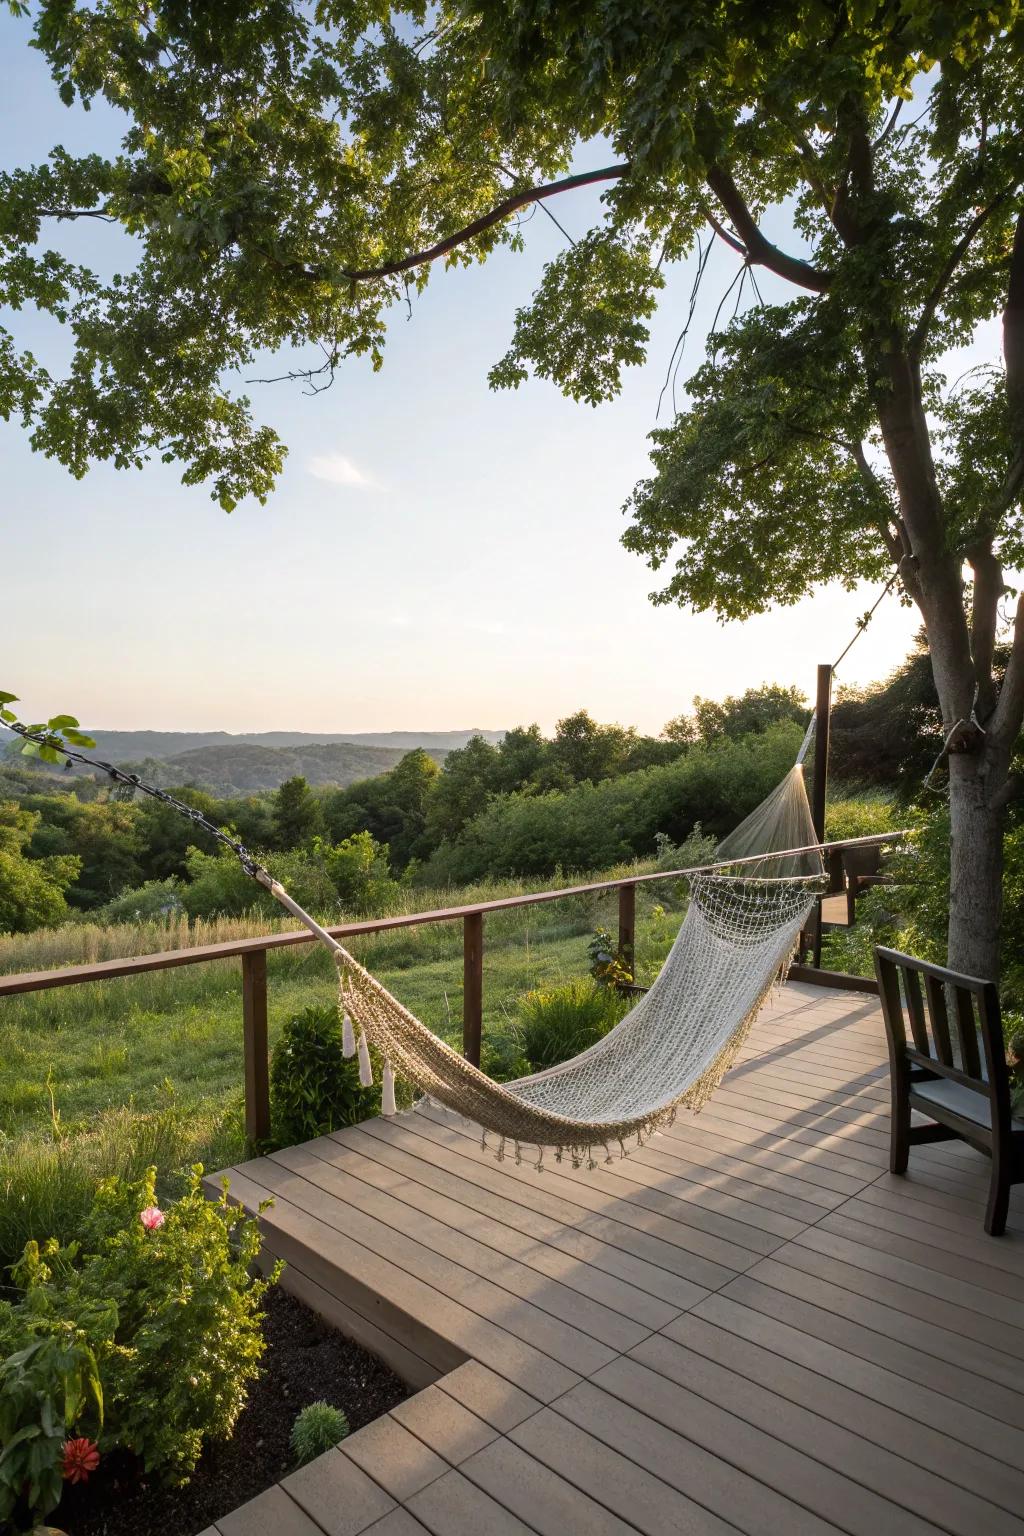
559 1022
314 1088
49 1391
317 1428
608 965
144 1334
1013 1030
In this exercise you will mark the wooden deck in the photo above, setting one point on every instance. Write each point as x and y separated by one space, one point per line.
747 1326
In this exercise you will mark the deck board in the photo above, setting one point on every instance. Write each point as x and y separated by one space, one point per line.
747 1326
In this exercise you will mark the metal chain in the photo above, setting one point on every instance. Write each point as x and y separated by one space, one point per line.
248 860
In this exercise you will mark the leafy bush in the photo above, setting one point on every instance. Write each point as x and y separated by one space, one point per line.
862 816
912 912
501 1054
158 1315
591 826
558 1022
48 1185
317 1428
154 900
608 966
48 1387
314 1089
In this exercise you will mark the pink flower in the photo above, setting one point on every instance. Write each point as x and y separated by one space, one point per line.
152 1218
80 1458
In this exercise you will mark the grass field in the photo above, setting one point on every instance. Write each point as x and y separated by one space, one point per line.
142 1042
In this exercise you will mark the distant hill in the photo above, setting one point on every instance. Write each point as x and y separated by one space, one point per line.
225 764
242 768
130 746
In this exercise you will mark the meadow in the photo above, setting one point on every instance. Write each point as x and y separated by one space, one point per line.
70 1056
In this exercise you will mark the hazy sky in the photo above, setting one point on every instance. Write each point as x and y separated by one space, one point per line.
436 555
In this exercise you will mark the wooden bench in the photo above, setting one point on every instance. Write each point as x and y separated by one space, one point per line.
958 1079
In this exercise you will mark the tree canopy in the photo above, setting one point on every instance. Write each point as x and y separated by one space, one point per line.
289 172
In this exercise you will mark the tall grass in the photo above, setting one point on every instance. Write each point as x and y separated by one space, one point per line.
120 1043
47 1181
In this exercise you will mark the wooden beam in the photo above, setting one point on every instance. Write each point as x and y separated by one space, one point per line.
823 715
256 1045
472 985
627 927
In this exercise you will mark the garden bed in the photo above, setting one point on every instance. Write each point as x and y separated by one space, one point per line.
306 1360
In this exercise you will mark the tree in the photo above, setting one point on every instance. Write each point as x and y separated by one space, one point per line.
889 733
582 749
393 807
288 173
467 781
31 890
754 710
295 813
102 834
521 755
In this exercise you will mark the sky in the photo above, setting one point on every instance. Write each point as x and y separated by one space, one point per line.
436 555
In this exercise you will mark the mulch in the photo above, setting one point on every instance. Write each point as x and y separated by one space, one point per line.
306 1361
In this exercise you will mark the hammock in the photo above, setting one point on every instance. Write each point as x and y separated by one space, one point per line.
671 1049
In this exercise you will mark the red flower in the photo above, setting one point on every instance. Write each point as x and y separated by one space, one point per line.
80 1458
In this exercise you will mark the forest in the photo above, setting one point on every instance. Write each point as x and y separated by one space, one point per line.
587 797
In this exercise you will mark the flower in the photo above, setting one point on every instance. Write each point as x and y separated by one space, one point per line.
152 1218
80 1458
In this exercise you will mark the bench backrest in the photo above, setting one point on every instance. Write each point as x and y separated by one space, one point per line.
955 1023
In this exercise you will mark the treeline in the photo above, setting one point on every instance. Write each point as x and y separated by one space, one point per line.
585 798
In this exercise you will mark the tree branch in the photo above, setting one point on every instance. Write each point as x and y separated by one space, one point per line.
723 234
1009 712
988 589
891 528
1013 355
500 211
956 256
75 213
758 249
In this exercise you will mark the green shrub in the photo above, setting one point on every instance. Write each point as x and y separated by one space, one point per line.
48 1184
608 966
558 1022
501 1054
156 1312
314 1089
155 900
862 815
316 1429
49 1386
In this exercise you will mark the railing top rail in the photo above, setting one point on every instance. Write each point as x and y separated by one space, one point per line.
136 965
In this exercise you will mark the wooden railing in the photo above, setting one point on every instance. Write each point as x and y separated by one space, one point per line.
253 954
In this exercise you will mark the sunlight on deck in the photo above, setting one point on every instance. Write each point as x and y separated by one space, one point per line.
748 1325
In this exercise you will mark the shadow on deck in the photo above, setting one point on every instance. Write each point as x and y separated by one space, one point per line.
748 1325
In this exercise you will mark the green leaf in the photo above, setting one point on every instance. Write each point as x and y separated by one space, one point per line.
8 698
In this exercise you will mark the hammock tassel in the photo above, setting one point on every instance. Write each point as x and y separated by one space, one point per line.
387 1097
365 1068
348 1037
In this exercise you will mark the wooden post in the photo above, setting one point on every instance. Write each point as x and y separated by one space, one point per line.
627 927
254 1035
823 712
472 985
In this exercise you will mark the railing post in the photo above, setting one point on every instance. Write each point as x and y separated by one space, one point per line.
627 927
472 985
254 1036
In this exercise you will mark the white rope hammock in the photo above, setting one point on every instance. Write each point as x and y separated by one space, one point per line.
671 1049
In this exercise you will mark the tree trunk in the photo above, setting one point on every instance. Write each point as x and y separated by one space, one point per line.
975 862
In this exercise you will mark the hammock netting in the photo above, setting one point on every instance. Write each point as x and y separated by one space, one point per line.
671 1050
